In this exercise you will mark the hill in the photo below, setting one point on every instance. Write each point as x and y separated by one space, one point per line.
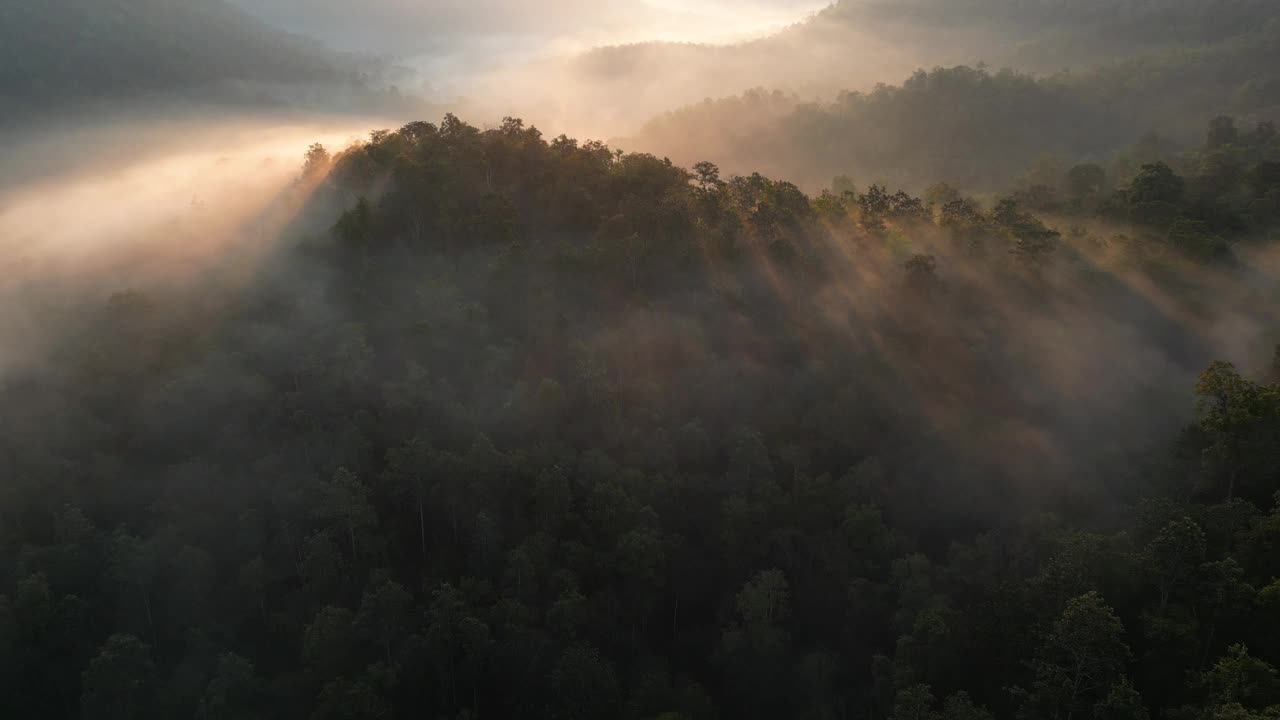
857 44
974 126
61 54
1051 35
539 430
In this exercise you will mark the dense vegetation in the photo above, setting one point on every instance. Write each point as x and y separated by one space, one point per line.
996 125
538 429
1051 30
975 127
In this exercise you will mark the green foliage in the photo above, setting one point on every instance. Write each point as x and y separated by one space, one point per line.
234 693
584 686
541 430
1175 555
119 684
1241 418
1240 679
1157 183
979 129
1080 664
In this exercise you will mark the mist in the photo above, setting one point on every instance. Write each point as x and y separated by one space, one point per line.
187 203
473 30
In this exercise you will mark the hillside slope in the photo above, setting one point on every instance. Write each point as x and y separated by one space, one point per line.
73 51
974 126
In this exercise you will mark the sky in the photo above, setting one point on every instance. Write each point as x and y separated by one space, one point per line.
449 28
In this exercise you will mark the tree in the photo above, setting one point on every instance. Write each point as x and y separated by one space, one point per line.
120 683
234 693
458 645
1240 418
1080 662
966 222
1174 556
925 654
640 555
1194 239
355 226
1222 596
908 207
45 635
317 161
961 213
135 566
584 685
344 699
875 204
754 650
707 175
765 598
327 643
1156 183
922 270
1033 242
1241 679
1122 703
346 504
961 707
552 499
915 703
384 612
830 207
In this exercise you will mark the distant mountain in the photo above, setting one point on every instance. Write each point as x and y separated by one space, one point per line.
1159 21
62 52
1050 35
1090 78
856 44
976 127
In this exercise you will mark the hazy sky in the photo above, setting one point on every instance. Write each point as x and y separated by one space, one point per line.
450 27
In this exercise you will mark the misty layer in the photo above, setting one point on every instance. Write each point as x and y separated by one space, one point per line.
202 207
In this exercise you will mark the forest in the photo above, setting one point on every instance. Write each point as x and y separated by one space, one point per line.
918 360
998 123
1137 66
526 427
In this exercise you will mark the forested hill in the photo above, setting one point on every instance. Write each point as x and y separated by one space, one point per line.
1052 34
537 429
1139 66
975 126
57 54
